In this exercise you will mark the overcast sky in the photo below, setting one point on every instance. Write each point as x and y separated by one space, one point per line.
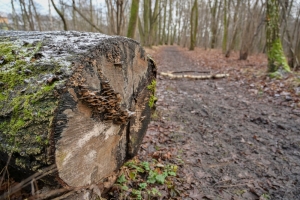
5 5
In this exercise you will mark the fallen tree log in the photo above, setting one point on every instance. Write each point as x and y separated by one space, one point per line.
76 101
174 75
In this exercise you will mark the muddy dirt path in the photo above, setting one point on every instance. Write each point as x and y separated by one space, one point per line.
229 144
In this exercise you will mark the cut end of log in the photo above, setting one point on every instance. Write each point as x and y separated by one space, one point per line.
81 102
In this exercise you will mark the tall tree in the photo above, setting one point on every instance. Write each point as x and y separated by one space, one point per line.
134 11
148 29
61 15
26 16
170 22
164 23
214 23
110 17
154 23
119 15
286 13
91 15
194 24
50 16
235 30
15 17
276 57
225 24
37 16
147 14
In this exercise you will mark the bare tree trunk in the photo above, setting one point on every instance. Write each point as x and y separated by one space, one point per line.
134 11
296 40
37 16
249 31
31 25
50 16
170 21
146 17
179 14
31 16
141 31
23 16
292 59
91 15
154 23
194 25
164 36
173 34
235 30
206 34
159 37
225 25
74 18
15 17
119 15
61 15
214 9
110 16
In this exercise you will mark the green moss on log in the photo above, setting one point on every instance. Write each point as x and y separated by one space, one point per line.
27 100
153 98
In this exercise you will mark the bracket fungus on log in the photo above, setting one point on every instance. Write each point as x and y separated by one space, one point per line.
75 100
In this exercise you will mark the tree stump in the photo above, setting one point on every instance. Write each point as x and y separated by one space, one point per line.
78 101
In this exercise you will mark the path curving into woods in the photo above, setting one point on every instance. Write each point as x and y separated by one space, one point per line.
228 143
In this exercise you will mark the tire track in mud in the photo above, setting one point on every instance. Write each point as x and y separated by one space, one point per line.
233 145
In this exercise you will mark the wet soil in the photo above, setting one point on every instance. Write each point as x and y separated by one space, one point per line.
229 143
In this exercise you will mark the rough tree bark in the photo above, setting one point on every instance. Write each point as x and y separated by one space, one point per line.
78 101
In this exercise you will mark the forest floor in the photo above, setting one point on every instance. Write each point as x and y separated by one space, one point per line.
235 138
229 138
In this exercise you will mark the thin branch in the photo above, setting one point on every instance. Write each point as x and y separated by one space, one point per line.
60 15
86 19
28 180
